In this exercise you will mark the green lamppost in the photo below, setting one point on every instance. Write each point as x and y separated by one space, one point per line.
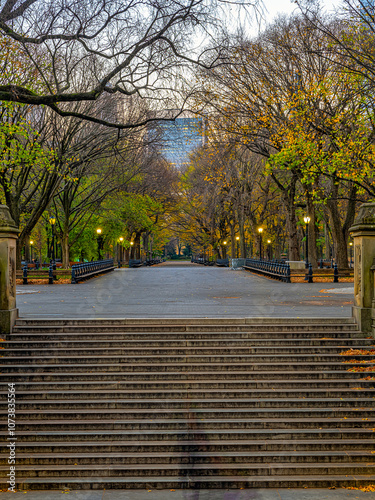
269 249
307 220
260 231
100 243
52 221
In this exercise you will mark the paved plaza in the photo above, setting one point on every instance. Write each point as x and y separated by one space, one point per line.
184 290
253 494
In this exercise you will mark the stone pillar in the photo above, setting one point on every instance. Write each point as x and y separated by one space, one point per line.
363 233
8 238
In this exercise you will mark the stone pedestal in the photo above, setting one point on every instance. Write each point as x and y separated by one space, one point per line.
363 233
296 264
8 238
237 263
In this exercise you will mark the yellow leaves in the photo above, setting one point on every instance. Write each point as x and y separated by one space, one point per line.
360 368
358 352
355 361
366 489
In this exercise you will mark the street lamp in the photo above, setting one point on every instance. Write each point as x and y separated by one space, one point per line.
100 242
238 242
52 221
351 254
31 250
131 249
119 253
225 249
260 231
269 249
307 220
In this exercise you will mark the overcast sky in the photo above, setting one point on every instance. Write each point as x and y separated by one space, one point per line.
275 7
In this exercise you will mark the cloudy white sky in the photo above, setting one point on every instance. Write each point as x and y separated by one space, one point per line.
275 7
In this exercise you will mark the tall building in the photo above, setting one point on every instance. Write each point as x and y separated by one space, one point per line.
180 137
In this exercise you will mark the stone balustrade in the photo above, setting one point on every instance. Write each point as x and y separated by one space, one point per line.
8 238
363 233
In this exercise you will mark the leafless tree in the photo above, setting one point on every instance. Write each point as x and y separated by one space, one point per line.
133 47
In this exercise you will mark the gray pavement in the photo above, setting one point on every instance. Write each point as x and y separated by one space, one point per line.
247 494
184 291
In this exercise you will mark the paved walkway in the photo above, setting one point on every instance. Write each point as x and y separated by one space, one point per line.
187 290
253 494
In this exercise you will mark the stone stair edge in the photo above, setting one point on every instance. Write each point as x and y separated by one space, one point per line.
187 321
193 466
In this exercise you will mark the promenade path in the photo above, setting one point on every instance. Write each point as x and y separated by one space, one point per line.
182 289
248 494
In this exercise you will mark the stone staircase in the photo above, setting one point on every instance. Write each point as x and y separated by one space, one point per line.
197 403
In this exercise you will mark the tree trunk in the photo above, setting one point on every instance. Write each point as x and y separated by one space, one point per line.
339 236
65 249
288 195
293 234
241 227
137 246
232 241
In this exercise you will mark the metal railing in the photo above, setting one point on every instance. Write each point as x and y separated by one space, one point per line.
87 269
271 268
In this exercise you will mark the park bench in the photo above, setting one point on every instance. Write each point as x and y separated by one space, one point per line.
222 262
153 262
31 272
334 273
135 263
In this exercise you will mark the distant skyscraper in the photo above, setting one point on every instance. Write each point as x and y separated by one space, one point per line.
179 138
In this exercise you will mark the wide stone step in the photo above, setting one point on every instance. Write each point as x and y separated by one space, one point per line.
190 402
53 335
181 367
192 445
185 358
169 352
201 457
196 423
342 413
191 393
195 482
192 434
217 469
164 376
183 385
186 322
352 342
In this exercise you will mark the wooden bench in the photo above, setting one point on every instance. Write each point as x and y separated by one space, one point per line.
135 263
222 262
41 274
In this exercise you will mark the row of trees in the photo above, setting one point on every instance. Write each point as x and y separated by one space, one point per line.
289 122
291 135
